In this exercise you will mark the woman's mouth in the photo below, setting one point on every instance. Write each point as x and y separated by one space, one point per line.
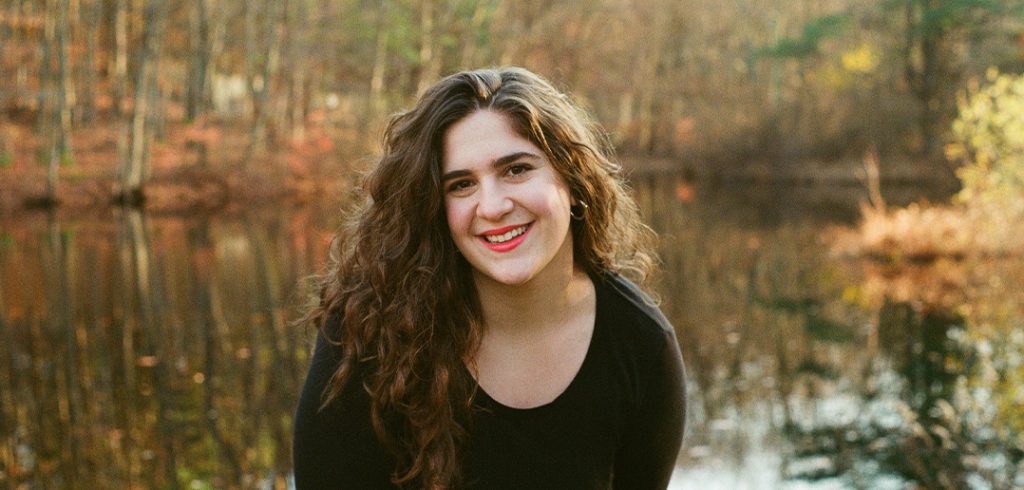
505 239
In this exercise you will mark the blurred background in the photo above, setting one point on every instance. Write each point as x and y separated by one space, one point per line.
838 186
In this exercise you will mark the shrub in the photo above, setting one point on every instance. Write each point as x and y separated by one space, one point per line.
989 141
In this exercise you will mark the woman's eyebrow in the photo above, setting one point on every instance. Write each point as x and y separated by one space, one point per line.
498 162
511 157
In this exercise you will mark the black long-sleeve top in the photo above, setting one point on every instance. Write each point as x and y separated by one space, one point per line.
619 423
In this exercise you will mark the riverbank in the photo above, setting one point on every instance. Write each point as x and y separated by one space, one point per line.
198 167
843 172
206 167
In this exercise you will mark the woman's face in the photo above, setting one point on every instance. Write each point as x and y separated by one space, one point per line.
507 206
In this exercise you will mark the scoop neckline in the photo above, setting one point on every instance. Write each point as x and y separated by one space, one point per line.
481 393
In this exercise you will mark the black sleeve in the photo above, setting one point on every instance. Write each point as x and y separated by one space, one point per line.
647 456
336 448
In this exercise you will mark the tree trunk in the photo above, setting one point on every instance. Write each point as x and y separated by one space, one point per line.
195 100
68 94
6 38
217 35
271 58
251 51
119 69
61 112
924 41
470 40
90 12
429 58
257 75
155 113
44 114
69 13
928 92
380 64
254 82
297 95
294 115
509 30
624 127
218 18
133 171
648 85
120 58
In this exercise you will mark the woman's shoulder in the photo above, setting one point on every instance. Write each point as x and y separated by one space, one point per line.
635 338
628 312
628 298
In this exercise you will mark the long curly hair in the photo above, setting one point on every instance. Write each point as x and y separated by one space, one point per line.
410 318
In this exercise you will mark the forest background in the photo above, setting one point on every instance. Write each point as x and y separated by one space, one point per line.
177 104
151 348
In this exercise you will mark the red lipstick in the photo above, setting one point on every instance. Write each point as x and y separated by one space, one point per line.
510 244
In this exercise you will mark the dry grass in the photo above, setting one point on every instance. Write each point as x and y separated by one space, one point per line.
932 255
922 233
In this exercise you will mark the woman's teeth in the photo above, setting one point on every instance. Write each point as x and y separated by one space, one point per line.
505 236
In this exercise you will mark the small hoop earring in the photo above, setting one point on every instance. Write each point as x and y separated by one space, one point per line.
578 210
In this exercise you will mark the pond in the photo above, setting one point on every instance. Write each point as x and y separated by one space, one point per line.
155 351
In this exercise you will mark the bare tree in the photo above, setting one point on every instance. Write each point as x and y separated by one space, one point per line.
90 12
262 54
430 57
58 129
295 63
133 171
380 62
472 38
198 77
119 70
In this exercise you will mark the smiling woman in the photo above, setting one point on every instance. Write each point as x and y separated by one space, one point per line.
503 196
477 327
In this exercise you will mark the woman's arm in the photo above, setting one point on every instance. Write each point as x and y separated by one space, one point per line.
648 453
336 447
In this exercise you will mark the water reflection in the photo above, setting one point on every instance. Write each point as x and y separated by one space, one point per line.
812 371
154 352
151 352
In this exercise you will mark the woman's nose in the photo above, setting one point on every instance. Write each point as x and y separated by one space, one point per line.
494 203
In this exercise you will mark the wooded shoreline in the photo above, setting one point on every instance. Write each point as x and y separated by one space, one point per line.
746 90
196 174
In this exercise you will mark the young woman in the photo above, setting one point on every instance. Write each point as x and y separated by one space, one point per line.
477 329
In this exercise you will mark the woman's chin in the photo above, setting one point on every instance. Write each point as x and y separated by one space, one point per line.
504 278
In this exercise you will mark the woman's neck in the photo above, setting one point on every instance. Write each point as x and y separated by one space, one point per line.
546 301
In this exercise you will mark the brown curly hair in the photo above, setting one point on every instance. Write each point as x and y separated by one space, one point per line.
409 314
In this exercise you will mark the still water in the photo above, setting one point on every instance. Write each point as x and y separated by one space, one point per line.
155 352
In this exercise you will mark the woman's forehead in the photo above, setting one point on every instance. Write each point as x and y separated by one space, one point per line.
482 138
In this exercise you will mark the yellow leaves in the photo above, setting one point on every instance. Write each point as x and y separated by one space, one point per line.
831 76
861 60
991 73
988 138
841 72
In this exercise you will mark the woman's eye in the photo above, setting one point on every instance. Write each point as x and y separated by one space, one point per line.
518 169
458 186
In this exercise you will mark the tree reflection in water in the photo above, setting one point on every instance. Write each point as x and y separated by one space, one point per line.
146 352
922 416
155 352
811 370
